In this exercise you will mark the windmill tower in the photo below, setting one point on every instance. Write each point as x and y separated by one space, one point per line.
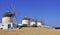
33 22
39 23
7 20
26 21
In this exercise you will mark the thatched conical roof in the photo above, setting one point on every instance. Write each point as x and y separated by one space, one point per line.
32 20
8 14
26 18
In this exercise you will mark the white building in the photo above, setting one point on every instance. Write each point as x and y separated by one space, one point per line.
26 20
20 25
39 23
7 21
33 22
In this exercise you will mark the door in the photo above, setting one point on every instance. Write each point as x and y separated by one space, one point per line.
9 26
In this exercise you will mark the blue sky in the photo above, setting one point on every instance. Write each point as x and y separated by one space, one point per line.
46 10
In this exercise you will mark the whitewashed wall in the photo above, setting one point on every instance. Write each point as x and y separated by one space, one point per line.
32 23
6 21
39 24
25 22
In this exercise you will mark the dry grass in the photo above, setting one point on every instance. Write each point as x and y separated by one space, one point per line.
31 31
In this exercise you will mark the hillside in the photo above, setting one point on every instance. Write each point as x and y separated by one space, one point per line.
31 31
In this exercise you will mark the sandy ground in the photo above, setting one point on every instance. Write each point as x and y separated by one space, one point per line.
31 31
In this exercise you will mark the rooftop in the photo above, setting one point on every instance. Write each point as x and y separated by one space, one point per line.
8 14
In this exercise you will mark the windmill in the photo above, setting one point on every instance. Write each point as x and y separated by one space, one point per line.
7 18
